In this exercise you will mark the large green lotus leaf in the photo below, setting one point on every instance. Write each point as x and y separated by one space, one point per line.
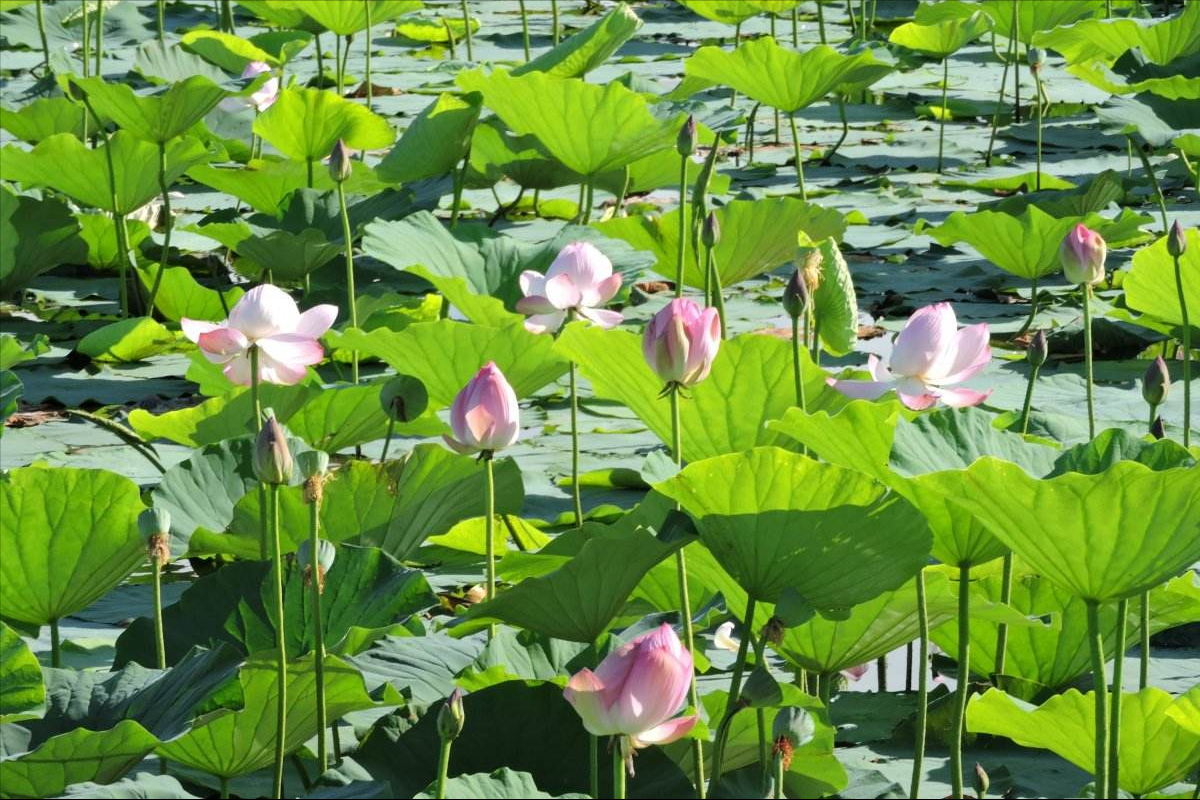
43 118
365 587
621 127
67 536
1155 750
81 755
514 655
35 236
346 18
661 171
1117 444
1156 119
1150 285
22 692
1025 245
99 231
834 302
777 520
181 295
1106 40
131 339
776 76
1103 537
498 153
751 382
305 124
395 506
872 629
162 62
757 236
290 257
1171 87
64 163
232 743
142 785
731 12
1057 656
589 48
942 38
159 117
267 184
446 354
435 142
1034 18
228 51
502 784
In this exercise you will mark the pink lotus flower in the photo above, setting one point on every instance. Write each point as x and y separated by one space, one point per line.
485 415
929 355
268 92
580 279
1082 255
681 342
637 690
266 318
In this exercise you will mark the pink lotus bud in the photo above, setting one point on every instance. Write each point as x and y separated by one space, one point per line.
681 342
485 416
266 95
637 690
1082 255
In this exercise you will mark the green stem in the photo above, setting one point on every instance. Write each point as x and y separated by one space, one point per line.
443 767
964 679
732 704
594 764
881 673
942 115
1087 357
841 103
618 769
1144 636
798 372
1114 744
718 293
168 224
1033 374
160 650
227 17
162 12
99 34
1158 193
87 50
820 24
338 78
467 24
1015 36
55 645
777 764
554 31
825 688
987 159
387 439
280 644
309 164
41 24
314 532
489 529
737 38
922 687
524 29
351 296
683 208
1096 644
320 68
1187 355
815 345
760 646
619 208
452 49
1037 79
575 494
367 43
460 181
750 133
798 156
1006 576
589 203
1033 309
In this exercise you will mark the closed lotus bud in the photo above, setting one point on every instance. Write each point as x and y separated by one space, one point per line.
155 526
314 468
1176 240
404 398
1157 383
1157 429
485 416
710 232
681 342
1082 254
326 555
1038 350
1037 57
982 783
451 717
339 162
272 458
685 144
795 295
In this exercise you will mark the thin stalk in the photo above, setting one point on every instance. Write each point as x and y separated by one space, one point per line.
1187 355
619 207
41 23
350 294
732 706
337 63
1033 309
160 650
1144 639
737 38
489 529
55 645
320 68
853 19
841 103
1037 79
224 784
777 784
314 533
466 17
987 159
262 488
908 666
310 173
1158 193
942 115
820 24
814 351
718 292
575 495
452 51
825 689
443 767
587 201
799 158
1006 576
964 679
683 209
881 674
280 644
162 12
554 31
168 224
367 49
460 180
1114 743
618 772
123 254
227 17
594 764
750 133
524 29
1087 357
387 439
922 686
99 34
87 49
1096 644
1033 374
1016 33
798 372
862 19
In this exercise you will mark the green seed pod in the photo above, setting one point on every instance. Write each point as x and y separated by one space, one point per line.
795 725
312 463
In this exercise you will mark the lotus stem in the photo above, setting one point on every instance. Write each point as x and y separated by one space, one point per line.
162 12
619 207
87 51
452 51
618 771
524 29
942 115
777 766
320 66
443 767
1144 636
1096 644
594 764
964 679
820 25
227 17
256 403
589 204
1087 357
387 439
280 643
881 674
908 666
750 133
1016 35
1033 308
314 532
348 236
825 689
852 18
99 34
922 687
224 787
798 156
554 30
1114 745
1158 193
683 208
1006 576
1187 355
160 650
168 224
1025 410
732 703
737 38
862 19
466 18
367 52
575 494
1037 78
798 372
841 104
41 24
55 645
718 295
489 528
337 63
987 159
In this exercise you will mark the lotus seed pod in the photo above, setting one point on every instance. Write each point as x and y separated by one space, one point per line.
1156 385
155 526
685 143
1037 58
326 555
404 398
1038 350
451 717
795 725
272 458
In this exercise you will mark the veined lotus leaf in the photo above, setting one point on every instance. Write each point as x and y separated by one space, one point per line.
1150 285
346 18
834 302
731 12
1106 40
35 236
22 692
1171 87
267 184
305 124
435 142
158 117
1033 18
74 757
942 38
1025 245
587 49
43 118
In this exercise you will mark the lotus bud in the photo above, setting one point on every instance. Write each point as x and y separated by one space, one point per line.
1157 429
982 783
793 728
326 555
795 295
1037 58
404 398
339 162
710 232
485 416
1082 254
272 458
451 717
155 526
1176 240
314 468
685 144
681 342
1038 350
1157 383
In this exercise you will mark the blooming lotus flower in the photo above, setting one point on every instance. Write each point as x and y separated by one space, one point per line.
681 342
637 690
266 94
580 279
266 318
724 638
1082 255
928 356
485 416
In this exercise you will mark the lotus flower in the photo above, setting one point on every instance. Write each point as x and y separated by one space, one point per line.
681 342
268 92
724 638
580 279
1082 255
637 690
928 356
485 416
267 318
